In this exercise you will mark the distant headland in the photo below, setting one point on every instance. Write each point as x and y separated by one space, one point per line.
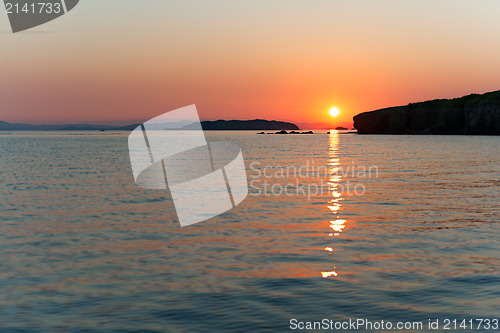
243 125
5 126
218 125
473 114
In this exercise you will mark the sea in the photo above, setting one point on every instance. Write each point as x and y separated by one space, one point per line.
382 231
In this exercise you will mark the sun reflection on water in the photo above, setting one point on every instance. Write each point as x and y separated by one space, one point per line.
328 274
335 196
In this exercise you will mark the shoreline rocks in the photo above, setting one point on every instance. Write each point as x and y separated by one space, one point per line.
285 132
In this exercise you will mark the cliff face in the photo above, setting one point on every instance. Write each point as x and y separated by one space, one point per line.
473 114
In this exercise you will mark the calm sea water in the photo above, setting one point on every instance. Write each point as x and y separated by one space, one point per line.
394 228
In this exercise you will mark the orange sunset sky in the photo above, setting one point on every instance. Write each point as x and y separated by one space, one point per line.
120 61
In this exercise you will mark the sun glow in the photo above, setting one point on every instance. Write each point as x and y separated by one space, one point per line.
334 112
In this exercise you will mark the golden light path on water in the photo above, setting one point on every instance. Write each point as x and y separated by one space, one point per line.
335 195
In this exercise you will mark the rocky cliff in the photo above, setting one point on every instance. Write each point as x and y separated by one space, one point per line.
473 115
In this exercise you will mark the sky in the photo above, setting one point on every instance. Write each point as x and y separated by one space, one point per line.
121 61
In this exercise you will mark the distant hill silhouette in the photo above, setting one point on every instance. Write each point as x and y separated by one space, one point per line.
5 126
257 124
473 115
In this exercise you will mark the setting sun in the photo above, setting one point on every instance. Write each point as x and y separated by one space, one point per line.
334 112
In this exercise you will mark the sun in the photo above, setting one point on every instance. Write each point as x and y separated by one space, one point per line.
334 112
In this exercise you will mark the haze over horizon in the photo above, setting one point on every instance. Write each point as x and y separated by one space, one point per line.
280 60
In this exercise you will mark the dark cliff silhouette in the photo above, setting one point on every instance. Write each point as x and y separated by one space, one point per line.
470 115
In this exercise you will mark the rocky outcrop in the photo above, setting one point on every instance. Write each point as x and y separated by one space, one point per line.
471 115
291 132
